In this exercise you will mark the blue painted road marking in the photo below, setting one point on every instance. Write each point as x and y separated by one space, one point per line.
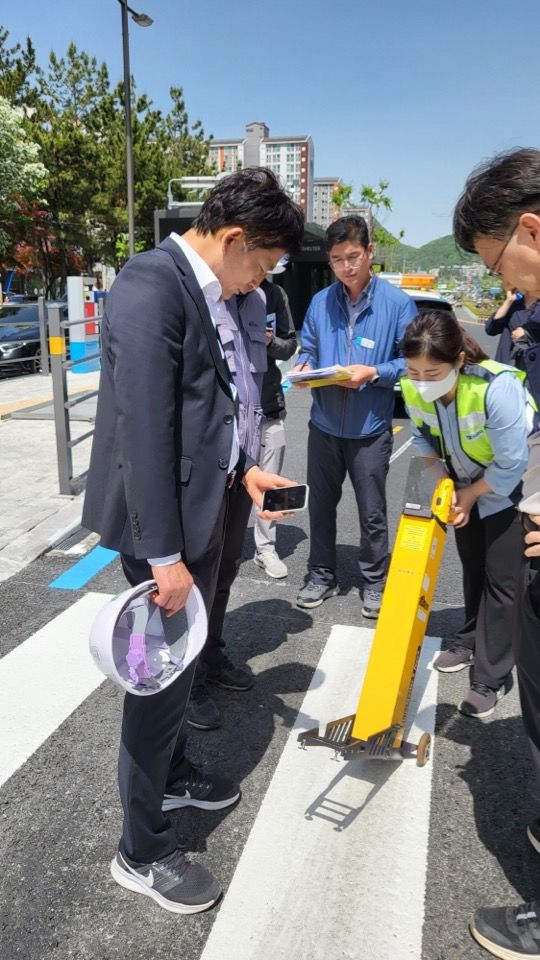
86 568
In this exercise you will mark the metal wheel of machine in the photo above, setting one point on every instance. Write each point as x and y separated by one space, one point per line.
423 750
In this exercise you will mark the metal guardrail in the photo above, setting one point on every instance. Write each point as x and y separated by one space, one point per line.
69 484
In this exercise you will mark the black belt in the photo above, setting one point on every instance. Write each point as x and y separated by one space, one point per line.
231 479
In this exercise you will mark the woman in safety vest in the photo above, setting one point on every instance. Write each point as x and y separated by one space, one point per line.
474 414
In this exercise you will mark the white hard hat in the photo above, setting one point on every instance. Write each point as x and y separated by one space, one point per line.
138 647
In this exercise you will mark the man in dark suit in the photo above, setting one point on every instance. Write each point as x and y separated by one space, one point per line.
164 458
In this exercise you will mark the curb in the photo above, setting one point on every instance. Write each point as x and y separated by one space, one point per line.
32 544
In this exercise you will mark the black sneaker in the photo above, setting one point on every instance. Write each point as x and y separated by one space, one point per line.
202 712
206 791
481 700
225 674
175 883
312 594
533 833
510 933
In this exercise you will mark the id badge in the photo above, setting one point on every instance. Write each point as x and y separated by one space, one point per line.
364 342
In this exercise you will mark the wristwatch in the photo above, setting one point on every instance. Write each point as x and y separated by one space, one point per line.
374 378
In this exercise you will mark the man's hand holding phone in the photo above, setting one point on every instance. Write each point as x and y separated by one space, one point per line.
257 482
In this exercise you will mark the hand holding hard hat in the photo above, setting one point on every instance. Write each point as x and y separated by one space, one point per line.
139 647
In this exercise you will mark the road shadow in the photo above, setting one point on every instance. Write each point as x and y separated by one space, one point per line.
341 815
251 722
500 778
445 623
288 538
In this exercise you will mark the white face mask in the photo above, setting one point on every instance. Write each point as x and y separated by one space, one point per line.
431 390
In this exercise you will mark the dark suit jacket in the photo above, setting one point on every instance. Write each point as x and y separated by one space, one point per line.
164 424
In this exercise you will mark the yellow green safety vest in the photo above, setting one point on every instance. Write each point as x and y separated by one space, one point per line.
472 386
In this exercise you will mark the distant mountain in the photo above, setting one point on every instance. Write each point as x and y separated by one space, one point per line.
437 253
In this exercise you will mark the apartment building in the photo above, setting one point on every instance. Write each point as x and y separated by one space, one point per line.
324 208
290 158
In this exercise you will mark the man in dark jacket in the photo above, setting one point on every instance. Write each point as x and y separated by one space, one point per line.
517 324
282 344
498 217
164 459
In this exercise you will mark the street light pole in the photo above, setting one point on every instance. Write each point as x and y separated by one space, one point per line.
129 131
143 21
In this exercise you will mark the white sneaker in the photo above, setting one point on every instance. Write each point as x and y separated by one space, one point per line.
271 564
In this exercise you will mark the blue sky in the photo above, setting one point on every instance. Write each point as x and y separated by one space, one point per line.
416 93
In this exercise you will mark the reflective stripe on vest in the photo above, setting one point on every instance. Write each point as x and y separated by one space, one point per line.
472 386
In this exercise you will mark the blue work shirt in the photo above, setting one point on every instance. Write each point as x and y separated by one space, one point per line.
507 429
370 335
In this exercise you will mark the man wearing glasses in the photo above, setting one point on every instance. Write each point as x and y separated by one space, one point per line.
498 217
357 322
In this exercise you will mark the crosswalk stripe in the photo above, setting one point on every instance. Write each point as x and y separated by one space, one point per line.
339 850
44 680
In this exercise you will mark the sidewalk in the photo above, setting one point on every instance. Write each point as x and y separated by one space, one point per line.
33 514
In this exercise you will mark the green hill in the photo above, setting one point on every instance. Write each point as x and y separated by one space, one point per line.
437 253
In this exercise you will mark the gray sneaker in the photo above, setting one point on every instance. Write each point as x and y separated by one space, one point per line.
271 564
372 604
312 594
455 658
481 700
175 883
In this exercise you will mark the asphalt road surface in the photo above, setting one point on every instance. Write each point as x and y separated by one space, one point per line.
361 860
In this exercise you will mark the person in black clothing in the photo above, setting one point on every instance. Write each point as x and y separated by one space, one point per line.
498 217
516 321
281 345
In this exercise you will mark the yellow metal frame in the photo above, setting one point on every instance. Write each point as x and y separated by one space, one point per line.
403 620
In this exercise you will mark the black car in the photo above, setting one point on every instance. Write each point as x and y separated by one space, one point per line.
20 343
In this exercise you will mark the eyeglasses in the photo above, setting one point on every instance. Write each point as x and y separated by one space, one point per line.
339 263
494 270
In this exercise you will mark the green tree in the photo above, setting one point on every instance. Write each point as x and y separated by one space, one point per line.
378 199
17 67
22 175
341 196
78 121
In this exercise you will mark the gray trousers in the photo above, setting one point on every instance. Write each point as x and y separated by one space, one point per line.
366 461
272 457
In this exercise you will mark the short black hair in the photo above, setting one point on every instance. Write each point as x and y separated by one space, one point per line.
254 200
496 194
350 228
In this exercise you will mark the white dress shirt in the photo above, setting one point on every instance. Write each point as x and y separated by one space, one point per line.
212 292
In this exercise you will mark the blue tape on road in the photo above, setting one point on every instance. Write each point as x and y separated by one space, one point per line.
83 571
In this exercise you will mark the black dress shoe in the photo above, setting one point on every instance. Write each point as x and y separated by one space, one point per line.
202 712
225 674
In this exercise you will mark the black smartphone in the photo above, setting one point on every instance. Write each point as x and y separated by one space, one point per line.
286 499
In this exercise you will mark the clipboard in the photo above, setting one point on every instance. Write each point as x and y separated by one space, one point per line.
320 377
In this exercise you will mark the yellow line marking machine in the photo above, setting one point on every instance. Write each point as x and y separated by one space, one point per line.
377 729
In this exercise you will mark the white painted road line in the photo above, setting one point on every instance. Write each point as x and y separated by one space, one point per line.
335 865
44 680
405 446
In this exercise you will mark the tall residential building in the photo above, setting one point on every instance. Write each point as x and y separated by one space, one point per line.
324 208
348 210
290 158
